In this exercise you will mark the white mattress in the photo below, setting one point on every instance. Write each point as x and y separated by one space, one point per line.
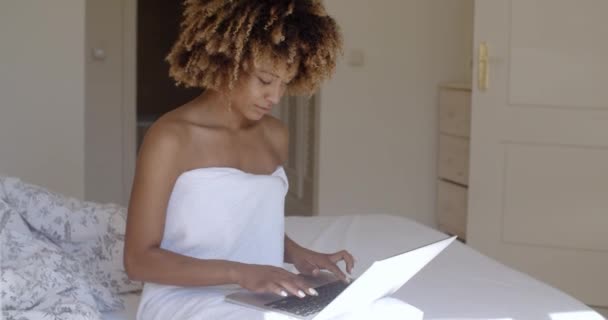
459 284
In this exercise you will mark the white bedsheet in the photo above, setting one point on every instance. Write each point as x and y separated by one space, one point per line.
459 284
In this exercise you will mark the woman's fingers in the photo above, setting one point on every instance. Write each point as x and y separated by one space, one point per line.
296 286
278 290
309 269
333 268
292 288
304 286
346 256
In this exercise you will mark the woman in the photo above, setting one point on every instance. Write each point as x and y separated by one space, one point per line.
206 207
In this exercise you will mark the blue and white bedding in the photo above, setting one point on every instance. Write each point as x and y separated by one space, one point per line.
61 257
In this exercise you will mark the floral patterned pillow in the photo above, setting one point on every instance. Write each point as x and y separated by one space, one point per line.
39 279
9 219
92 233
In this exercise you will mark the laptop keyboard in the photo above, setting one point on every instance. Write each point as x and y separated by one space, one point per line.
310 304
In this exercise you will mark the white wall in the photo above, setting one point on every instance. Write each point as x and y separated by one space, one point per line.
378 122
42 92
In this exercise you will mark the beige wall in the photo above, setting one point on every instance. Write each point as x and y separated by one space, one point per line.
109 100
42 92
378 121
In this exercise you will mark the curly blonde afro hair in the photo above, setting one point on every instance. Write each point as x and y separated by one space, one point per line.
220 39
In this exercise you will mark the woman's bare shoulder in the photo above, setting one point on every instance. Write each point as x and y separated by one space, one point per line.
166 140
167 131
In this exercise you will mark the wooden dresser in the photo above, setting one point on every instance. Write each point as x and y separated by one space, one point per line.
453 158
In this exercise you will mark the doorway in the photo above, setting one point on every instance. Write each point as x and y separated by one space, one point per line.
157 29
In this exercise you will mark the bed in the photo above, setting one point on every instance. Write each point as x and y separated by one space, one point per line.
459 284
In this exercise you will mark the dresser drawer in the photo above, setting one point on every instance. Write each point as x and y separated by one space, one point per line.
455 112
452 208
453 163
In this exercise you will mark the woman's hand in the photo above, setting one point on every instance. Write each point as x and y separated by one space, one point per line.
270 279
311 263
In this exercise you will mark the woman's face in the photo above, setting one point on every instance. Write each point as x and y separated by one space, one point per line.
259 90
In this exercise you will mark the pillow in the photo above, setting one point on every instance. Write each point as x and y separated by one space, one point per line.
38 277
9 219
92 233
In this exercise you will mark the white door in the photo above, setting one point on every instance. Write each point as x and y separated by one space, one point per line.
539 147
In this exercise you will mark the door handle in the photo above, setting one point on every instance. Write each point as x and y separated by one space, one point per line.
483 67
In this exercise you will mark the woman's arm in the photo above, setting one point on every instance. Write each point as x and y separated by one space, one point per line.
166 267
290 248
156 172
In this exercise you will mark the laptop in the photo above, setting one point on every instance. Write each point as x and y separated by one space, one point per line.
336 297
